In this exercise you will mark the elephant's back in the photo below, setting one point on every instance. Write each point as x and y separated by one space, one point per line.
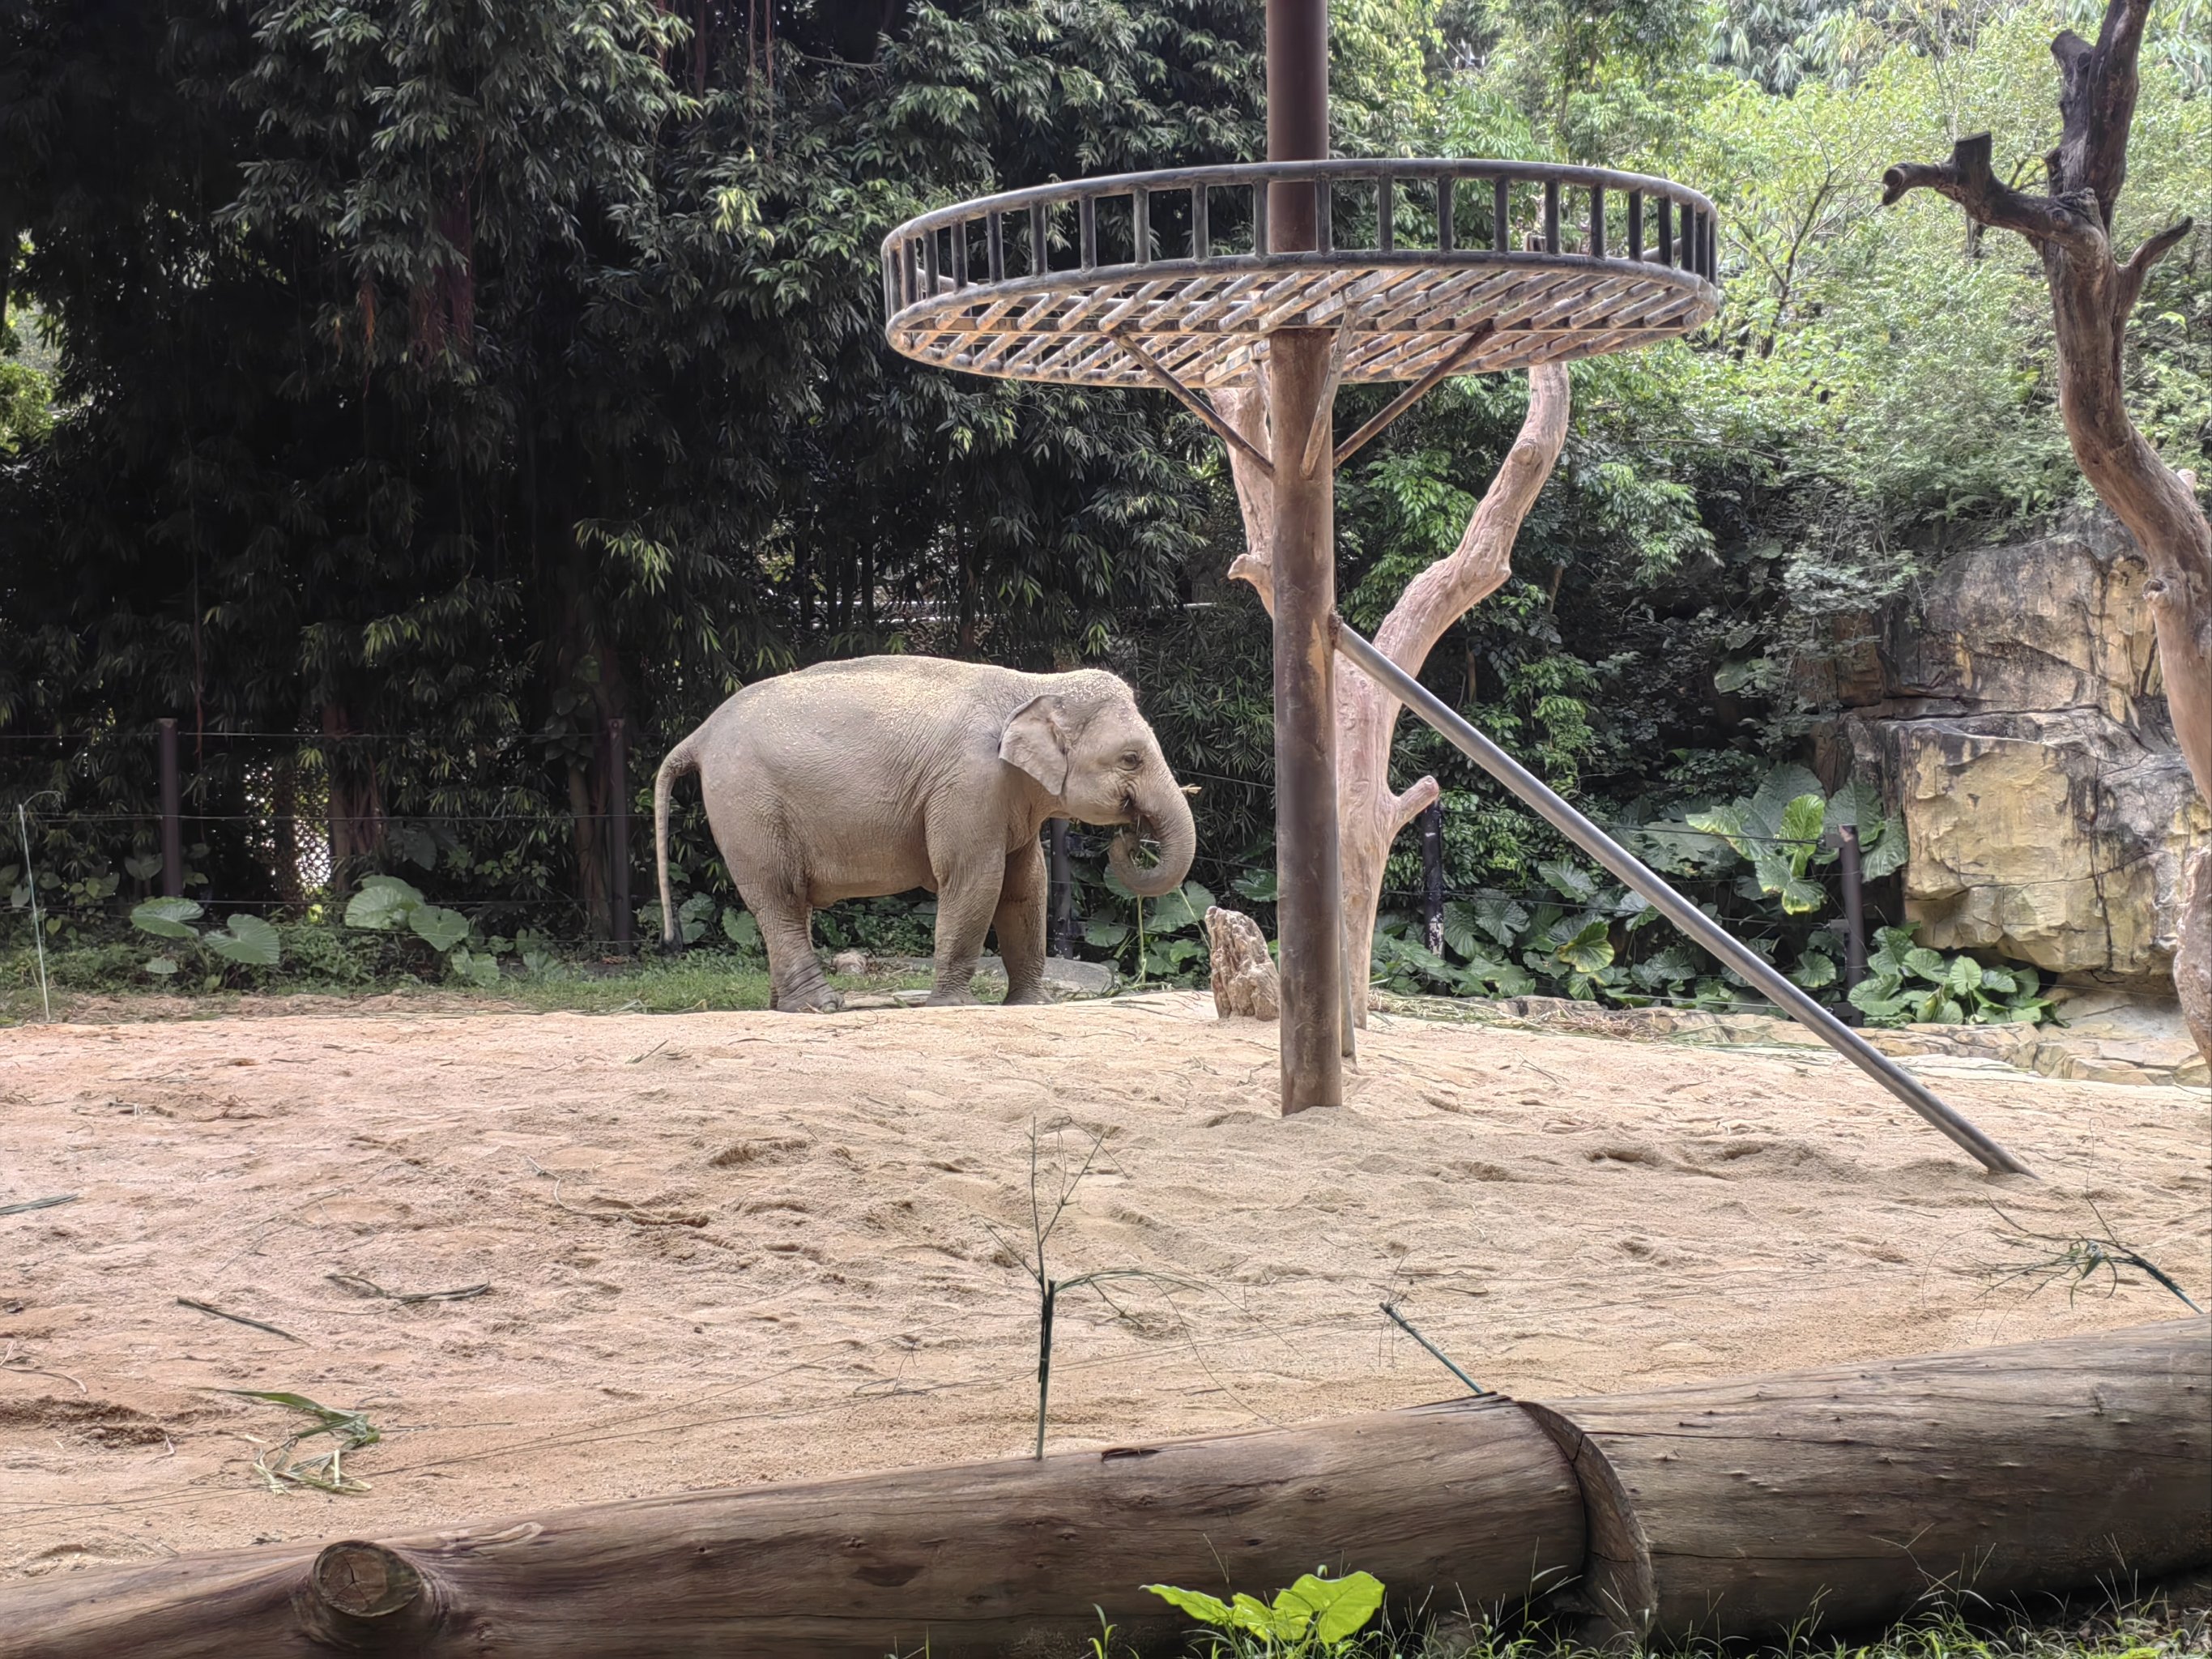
874 708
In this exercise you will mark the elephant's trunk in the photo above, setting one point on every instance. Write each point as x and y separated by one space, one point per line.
1162 810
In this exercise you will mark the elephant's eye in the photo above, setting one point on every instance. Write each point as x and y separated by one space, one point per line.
1132 760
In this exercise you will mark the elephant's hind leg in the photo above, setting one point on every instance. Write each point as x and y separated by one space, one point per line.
1019 924
797 983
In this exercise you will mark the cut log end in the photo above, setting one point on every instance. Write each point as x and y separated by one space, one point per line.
359 1580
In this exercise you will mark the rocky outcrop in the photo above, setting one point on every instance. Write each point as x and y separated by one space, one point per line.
2013 715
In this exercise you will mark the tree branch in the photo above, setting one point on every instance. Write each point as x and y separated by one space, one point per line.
1245 408
2132 273
1968 179
2097 105
1478 567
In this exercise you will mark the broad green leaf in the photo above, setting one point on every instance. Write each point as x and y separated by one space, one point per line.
1106 935
1965 977
1926 965
741 930
1725 822
2001 981
1505 920
1804 819
1763 812
383 902
1587 949
1771 867
1800 897
165 918
1888 852
143 866
1571 883
1814 969
438 927
1258 885
1207 1609
250 941
163 966
1858 803
1337 1607
1249 1613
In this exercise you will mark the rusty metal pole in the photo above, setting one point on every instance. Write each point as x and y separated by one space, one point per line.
1311 907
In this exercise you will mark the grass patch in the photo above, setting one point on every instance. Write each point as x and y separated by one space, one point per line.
2170 1622
107 981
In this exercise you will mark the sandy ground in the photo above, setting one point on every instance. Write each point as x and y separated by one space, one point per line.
734 1247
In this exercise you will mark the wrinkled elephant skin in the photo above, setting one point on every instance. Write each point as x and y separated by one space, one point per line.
852 779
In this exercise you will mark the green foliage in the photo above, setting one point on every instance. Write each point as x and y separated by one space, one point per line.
1315 1615
1908 984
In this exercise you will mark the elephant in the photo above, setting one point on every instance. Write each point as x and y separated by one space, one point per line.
880 775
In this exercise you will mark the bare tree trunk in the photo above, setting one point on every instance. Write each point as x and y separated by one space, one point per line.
357 804
1369 813
2092 294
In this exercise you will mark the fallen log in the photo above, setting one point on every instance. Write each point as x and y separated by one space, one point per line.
1847 1495
1731 1509
1471 1496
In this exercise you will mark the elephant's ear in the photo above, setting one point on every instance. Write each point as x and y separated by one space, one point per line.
1036 740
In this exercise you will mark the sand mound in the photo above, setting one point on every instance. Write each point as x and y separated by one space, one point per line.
725 1249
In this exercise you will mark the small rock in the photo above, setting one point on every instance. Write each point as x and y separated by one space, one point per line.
1064 977
849 962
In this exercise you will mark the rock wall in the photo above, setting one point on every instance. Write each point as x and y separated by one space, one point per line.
2013 713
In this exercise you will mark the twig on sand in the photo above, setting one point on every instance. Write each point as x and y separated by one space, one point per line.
38 1204
620 1209
369 1287
21 1364
241 1319
1406 1325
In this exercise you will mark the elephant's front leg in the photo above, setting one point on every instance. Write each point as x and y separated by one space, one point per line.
1019 924
967 898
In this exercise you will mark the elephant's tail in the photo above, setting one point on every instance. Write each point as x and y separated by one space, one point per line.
681 759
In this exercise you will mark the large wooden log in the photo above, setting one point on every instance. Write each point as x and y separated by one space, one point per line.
1732 1509
1743 1508
1472 1498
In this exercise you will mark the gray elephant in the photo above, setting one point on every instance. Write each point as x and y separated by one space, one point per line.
878 775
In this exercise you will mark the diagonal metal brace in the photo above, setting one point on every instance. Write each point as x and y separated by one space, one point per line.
1476 337
1640 878
1191 401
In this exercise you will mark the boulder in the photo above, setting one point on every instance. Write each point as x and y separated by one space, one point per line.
2013 715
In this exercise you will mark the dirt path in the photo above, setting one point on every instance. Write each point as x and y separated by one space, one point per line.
734 1247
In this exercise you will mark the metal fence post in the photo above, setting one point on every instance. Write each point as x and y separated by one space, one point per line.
173 830
1060 902
1432 876
618 833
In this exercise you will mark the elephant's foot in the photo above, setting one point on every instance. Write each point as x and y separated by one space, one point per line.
1031 997
823 998
951 996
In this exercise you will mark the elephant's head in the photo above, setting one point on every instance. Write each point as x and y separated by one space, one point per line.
1093 753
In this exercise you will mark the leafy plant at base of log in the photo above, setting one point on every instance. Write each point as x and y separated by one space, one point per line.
1033 1262
1317 1615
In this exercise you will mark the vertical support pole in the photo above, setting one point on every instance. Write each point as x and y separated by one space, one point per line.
1310 909
1854 910
1059 934
618 833
1432 821
173 810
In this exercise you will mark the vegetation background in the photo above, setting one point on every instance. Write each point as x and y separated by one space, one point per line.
395 393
